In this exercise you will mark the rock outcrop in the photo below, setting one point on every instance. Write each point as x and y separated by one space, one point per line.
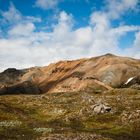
101 108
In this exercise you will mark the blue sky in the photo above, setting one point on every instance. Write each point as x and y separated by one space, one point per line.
39 32
80 9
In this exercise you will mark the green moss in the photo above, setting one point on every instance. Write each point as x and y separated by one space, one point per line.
18 133
61 112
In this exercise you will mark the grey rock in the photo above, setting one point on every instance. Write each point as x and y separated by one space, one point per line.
101 108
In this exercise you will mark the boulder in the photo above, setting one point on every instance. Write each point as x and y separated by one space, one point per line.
101 108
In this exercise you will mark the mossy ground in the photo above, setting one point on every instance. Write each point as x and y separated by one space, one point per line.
69 114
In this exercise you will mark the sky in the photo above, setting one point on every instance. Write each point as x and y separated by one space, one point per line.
40 32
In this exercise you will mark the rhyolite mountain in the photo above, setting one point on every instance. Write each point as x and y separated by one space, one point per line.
91 74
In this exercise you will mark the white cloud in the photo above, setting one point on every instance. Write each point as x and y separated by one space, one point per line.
13 16
137 40
106 38
116 8
26 47
134 51
100 20
47 4
22 30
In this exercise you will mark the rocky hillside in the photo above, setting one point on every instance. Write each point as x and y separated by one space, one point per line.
92 74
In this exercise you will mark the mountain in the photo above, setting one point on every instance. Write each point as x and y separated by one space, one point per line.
89 74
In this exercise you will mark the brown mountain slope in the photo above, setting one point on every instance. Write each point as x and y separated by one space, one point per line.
97 73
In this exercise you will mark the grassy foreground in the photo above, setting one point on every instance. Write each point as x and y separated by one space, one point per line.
70 115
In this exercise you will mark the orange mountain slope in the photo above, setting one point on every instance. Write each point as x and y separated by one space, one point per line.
91 74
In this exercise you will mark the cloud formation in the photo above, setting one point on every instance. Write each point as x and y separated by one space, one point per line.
47 4
25 46
116 8
13 16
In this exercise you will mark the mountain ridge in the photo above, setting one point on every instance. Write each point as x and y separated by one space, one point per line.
87 74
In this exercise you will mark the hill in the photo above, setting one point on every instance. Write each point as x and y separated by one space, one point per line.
91 74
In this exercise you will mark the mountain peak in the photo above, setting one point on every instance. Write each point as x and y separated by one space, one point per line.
109 54
10 70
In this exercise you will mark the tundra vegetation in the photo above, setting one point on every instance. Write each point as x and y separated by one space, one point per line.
71 115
